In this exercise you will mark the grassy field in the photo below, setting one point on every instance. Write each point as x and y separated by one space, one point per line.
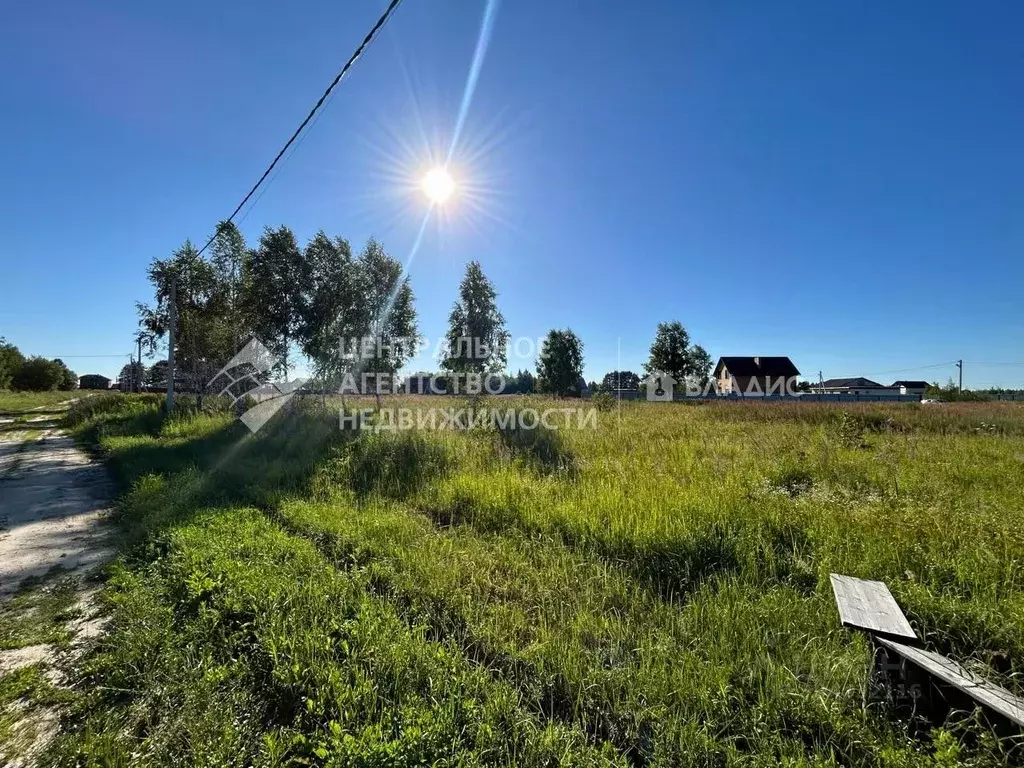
650 592
17 403
23 416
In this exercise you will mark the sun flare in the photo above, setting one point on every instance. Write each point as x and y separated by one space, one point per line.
438 185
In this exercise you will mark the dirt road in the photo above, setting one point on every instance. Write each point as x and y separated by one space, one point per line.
53 498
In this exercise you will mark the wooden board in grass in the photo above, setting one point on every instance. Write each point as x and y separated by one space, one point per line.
989 695
869 605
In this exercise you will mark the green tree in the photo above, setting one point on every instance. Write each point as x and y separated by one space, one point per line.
132 375
619 380
68 378
156 374
386 312
328 312
673 354
560 367
274 285
951 393
702 365
204 339
524 383
476 337
230 259
11 360
357 316
212 322
37 374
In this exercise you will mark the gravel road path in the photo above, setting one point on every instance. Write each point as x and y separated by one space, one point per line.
53 498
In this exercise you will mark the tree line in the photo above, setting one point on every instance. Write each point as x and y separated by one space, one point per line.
311 298
477 340
289 297
672 352
33 374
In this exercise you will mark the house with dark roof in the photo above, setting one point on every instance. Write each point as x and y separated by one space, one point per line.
756 375
908 387
855 385
93 381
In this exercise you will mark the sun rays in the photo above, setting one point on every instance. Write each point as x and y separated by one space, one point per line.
420 170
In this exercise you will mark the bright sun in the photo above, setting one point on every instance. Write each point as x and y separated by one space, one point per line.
438 185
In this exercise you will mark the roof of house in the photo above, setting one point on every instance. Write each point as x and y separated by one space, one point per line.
911 384
757 366
857 382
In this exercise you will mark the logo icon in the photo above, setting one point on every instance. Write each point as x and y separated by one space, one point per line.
659 386
248 375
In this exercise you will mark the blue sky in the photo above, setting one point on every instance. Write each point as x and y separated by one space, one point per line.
840 183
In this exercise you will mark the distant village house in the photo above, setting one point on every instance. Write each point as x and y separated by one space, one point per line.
855 385
756 376
93 381
911 387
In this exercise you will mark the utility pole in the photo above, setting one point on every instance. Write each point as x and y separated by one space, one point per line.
960 365
139 371
173 312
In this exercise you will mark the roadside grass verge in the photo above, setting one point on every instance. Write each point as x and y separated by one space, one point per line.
26 694
39 613
36 632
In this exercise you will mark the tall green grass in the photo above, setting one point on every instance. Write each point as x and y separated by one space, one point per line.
650 592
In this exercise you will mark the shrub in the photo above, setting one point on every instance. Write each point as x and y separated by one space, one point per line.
37 374
93 410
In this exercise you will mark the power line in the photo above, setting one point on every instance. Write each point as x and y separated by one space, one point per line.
918 368
344 70
71 357
941 365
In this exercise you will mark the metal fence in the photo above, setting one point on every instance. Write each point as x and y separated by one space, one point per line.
804 397
847 398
